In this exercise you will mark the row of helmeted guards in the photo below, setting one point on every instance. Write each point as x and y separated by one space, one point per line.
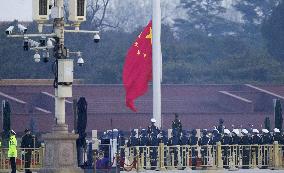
251 143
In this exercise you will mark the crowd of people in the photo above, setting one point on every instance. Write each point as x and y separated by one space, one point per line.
153 136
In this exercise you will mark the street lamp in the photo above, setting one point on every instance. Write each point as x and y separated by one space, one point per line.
60 144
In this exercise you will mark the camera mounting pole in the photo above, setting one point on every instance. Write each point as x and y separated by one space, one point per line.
60 151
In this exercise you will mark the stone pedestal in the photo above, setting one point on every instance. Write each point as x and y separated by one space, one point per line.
60 151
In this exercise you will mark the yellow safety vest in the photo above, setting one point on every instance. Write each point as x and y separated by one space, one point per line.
12 151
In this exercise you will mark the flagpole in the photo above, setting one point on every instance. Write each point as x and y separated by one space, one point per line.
156 57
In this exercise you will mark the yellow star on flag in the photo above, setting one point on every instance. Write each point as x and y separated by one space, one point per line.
149 36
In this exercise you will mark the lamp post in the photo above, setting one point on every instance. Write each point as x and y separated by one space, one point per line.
60 153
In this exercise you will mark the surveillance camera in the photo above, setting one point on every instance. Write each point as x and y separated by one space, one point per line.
80 61
26 44
9 30
49 43
97 38
37 57
22 28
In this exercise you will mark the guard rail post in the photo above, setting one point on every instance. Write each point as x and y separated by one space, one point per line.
276 158
162 157
219 156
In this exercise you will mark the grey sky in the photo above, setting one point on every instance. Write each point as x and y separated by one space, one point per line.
16 9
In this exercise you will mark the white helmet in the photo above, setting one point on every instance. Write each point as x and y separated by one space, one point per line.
244 131
236 131
153 120
276 130
226 131
255 131
265 131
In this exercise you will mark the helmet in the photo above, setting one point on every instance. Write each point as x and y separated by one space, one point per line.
276 130
153 120
244 131
236 131
255 131
227 131
265 131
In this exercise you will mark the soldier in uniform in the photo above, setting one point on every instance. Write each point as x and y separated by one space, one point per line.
143 142
255 140
221 127
163 137
277 136
27 143
173 141
176 124
154 143
216 137
193 141
245 140
132 143
204 142
265 140
236 140
184 141
153 128
121 143
226 140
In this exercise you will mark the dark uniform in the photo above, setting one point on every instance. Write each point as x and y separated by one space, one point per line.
184 141
204 142
266 139
174 140
193 141
143 141
226 140
27 143
153 129
236 140
255 140
164 139
245 140
121 143
176 124
154 143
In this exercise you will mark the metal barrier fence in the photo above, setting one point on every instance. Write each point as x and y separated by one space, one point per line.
202 157
24 154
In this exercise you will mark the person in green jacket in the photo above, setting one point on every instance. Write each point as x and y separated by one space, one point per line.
12 150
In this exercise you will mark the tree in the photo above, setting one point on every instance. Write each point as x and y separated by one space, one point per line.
6 122
273 32
203 15
278 115
267 123
254 12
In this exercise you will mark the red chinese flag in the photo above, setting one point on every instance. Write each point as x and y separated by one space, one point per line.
137 71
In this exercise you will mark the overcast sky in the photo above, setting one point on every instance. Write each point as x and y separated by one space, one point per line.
15 9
